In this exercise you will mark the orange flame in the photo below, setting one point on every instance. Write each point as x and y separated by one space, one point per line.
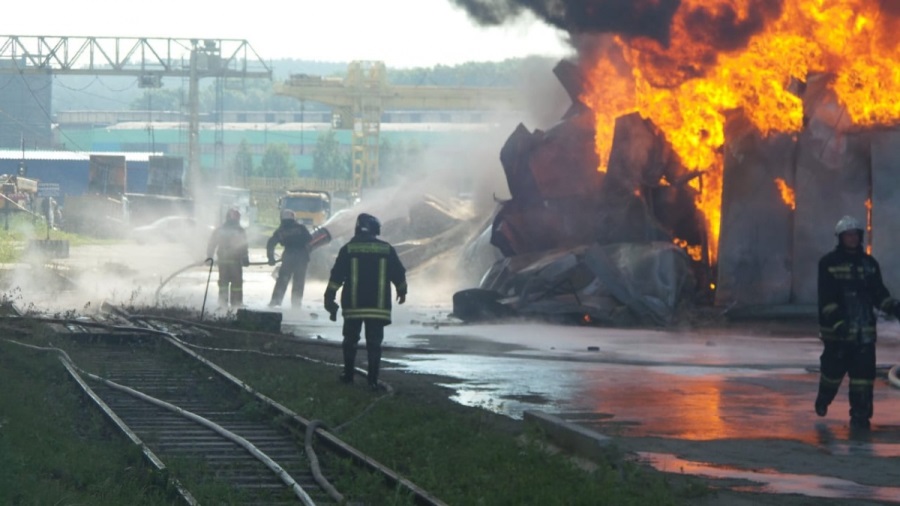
787 193
686 87
869 225
693 251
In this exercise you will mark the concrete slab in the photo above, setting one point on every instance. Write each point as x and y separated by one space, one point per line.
571 437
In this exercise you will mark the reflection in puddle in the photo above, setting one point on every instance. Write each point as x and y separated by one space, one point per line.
882 450
774 482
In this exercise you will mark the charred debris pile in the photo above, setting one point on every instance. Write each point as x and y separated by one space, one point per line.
629 245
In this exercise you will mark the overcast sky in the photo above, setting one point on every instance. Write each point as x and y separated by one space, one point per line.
403 33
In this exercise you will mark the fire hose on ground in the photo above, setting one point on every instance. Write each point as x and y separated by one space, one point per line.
285 477
892 376
320 237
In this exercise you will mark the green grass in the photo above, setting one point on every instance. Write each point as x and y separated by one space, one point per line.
14 238
55 448
461 456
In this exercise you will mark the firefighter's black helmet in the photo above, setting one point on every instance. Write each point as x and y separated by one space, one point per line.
368 224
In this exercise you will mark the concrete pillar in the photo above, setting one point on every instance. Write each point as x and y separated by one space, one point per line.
756 237
832 180
885 237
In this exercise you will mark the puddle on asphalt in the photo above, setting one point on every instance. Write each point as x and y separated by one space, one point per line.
773 482
881 450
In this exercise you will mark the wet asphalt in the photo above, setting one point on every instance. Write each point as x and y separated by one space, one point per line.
733 405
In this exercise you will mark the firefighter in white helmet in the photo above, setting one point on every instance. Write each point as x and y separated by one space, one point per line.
229 244
850 288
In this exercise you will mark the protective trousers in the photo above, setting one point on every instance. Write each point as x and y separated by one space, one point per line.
231 283
857 360
374 337
293 270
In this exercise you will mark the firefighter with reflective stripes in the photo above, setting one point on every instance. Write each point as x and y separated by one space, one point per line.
229 244
850 288
365 268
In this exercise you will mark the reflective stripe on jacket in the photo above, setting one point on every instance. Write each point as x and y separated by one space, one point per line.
850 287
365 268
229 242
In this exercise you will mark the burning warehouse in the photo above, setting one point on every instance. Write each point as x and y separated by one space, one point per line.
736 132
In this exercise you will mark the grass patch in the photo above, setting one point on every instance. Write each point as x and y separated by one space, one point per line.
14 239
56 449
463 456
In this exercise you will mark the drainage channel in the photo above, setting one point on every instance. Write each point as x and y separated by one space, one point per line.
211 462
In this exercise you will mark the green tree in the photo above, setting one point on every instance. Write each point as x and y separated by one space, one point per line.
329 161
277 162
398 159
243 160
164 99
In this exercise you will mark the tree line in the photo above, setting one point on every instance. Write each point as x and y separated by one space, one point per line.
330 159
91 93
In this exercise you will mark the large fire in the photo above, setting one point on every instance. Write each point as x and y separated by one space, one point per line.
686 87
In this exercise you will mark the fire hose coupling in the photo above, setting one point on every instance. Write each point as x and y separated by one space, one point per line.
320 237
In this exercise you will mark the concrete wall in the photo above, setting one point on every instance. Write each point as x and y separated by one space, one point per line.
72 175
832 180
756 240
885 238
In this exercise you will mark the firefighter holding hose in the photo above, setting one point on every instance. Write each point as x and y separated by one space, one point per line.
296 240
365 268
850 288
229 244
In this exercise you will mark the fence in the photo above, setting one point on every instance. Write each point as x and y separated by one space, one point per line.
269 184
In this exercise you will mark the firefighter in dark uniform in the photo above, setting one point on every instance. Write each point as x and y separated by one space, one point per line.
850 287
294 259
365 268
229 242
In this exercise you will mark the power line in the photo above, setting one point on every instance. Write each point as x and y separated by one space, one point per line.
132 85
40 105
88 85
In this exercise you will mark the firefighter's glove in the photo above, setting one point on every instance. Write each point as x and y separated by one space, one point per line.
332 307
245 262
401 298
271 261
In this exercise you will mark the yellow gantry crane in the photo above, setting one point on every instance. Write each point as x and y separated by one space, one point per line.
364 94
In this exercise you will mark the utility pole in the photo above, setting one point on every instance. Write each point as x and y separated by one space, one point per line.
194 113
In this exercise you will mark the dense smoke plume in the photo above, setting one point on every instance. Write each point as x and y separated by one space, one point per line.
642 18
718 25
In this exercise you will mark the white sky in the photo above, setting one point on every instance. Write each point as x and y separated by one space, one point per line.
403 33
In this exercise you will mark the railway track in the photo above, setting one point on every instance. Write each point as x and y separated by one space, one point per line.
221 441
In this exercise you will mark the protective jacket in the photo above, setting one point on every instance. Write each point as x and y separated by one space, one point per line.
293 236
230 242
365 268
850 287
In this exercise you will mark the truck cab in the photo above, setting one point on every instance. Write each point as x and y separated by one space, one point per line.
312 208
